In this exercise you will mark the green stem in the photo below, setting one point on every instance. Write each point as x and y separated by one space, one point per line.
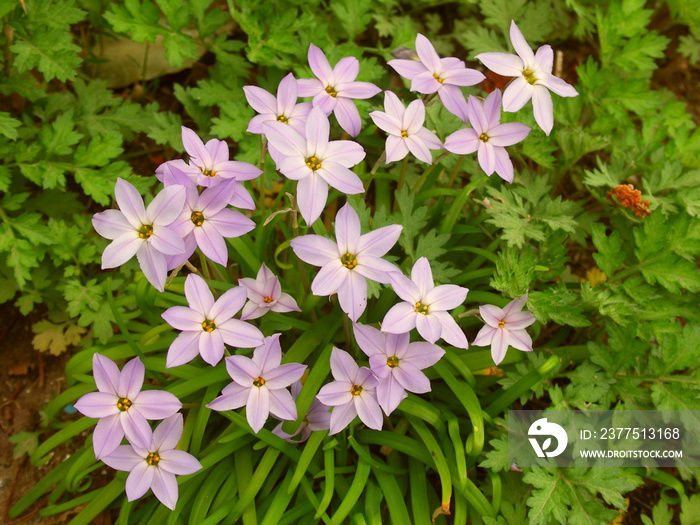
404 164
418 185
453 175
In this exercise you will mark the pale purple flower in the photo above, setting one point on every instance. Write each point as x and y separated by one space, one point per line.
348 262
488 136
505 327
265 294
315 162
442 75
261 385
534 78
334 89
396 363
353 393
207 324
155 465
122 406
140 231
405 129
317 418
209 165
205 221
283 108
425 306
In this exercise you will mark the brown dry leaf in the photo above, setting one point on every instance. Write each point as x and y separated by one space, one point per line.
20 370
56 338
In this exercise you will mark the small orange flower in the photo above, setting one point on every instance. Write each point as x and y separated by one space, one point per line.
631 198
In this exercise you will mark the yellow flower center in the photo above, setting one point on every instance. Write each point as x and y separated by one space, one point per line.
529 77
208 325
145 231
392 361
349 261
404 133
124 404
501 323
314 163
197 218
422 308
282 119
258 381
484 137
268 299
152 459
437 77
356 390
209 173
331 91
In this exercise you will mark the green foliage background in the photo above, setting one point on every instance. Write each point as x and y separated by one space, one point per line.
630 342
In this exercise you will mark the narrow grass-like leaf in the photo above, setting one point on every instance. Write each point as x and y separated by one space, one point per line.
307 455
394 498
354 493
419 491
438 458
103 497
329 469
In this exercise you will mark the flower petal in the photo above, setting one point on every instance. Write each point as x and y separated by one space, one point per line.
317 132
422 355
226 306
347 229
405 288
139 481
285 139
401 318
348 116
111 224
370 340
178 462
499 345
156 404
130 203
198 294
520 44
508 134
504 166
344 152
97 404
183 318
429 327
260 100
559 86
121 249
107 435
164 486
153 265
491 314
136 428
543 108
378 242
425 83
426 53
212 244
282 376
211 346
341 417
352 295
545 59
485 336
329 279
419 149
487 158
413 117
445 297
505 64
240 334
106 374
131 379
517 94
407 68
195 148
232 397
368 410
282 405
463 141
319 65
390 393
453 100
167 434
375 269
335 394
346 70
451 332
166 206
258 407
124 458
183 349
520 339
315 249
312 194
343 366
412 379
422 276
396 148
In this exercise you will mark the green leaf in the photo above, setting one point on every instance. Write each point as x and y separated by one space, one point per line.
610 255
558 305
25 443
8 125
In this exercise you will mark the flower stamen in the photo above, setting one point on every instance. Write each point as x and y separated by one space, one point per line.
331 91
208 325
124 404
313 162
145 231
152 459
282 119
484 137
356 390
197 218
349 261
438 78
404 133
208 173
258 381
501 323
392 361
268 299
421 308
529 77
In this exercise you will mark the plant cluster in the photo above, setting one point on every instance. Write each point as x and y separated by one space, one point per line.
589 234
